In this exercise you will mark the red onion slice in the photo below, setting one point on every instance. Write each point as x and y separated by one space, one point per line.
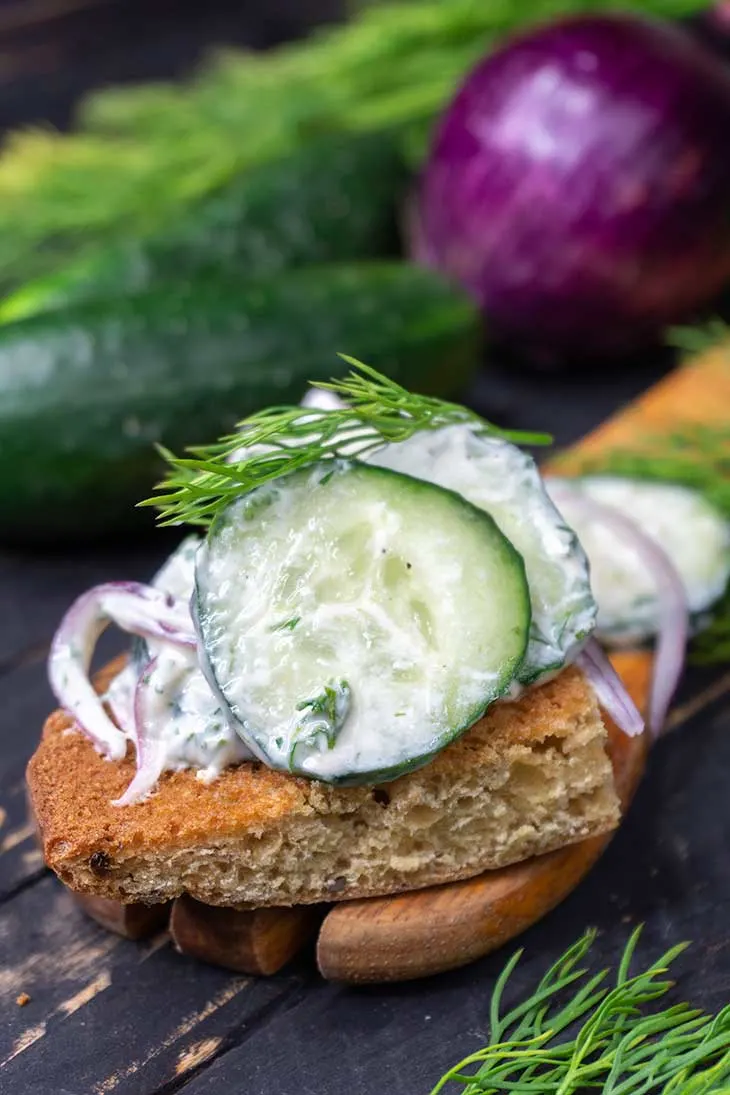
119 699
673 631
157 680
609 689
133 607
147 611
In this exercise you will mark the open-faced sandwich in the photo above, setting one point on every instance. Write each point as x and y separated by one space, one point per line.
376 667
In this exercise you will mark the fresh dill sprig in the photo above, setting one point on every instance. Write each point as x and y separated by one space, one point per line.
323 716
700 338
580 1032
279 440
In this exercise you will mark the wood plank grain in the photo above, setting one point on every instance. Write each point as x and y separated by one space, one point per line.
19 14
53 52
21 860
135 921
24 699
105 1012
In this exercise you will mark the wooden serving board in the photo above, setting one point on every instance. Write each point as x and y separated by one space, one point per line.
429 931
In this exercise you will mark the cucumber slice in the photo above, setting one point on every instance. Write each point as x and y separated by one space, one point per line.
504 482
356 621
695 536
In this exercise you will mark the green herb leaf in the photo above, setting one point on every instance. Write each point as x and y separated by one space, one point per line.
328 702
324 717
287 625
699 339
577 1033
281 439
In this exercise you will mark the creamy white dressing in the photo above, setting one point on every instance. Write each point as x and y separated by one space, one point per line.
504 481
191 729
186 723
694 536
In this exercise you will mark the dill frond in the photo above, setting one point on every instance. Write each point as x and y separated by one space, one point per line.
580 1031
279 440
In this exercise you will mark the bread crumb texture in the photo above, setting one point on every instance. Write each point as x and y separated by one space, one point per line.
530 777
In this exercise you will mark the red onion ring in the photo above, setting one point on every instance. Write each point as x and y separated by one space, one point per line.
149 698
673 632
136 608
149 758
609 689
122 706
145 610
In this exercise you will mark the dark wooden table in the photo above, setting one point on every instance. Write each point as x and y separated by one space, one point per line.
110 1017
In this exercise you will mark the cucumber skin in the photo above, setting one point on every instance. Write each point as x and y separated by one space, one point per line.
86 392
334 200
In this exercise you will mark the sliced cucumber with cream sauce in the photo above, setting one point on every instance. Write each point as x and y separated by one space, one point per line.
693 534
355 621
504 482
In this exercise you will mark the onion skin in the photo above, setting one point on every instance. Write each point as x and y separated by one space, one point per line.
150 698
579 185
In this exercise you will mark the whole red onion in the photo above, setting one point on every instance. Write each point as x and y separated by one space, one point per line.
579 185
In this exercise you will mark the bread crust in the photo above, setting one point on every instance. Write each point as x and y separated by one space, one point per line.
139 852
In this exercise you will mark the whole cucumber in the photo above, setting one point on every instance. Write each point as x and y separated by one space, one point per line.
333 200
87 391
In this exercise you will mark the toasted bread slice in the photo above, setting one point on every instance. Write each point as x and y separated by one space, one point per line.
531 776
